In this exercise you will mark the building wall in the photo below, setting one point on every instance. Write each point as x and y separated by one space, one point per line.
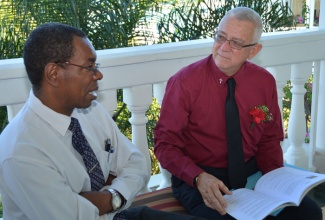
297 5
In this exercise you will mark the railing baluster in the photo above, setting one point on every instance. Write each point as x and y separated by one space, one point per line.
138 100
296 154
319 105
159 91
108 99
313 117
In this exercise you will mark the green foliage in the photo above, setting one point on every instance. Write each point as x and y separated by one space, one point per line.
3 118
198 19
12 38
287 100
305 12
192 20
153 115
108 24
275 15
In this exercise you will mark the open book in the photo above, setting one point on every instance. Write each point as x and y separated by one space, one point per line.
282 187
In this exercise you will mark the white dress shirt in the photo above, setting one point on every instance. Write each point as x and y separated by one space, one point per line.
41 174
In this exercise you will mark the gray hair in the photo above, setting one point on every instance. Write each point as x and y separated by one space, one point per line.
247 14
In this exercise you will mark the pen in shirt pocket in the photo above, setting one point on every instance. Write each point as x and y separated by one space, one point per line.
109 148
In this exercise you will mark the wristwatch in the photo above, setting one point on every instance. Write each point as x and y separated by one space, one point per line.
116 200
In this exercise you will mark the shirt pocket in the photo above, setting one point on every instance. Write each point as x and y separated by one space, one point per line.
105 159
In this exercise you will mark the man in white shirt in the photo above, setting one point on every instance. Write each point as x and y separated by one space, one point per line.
42 175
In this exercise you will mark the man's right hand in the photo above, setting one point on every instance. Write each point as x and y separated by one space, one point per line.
211 189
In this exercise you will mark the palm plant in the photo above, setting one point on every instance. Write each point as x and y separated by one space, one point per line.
198 19
108 24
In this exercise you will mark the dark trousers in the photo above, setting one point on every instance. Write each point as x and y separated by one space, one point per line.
145 213
192 200
307 209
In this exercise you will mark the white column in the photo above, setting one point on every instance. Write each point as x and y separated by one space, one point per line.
322 14
108 99
12 110
296 154
320 107
159 91
320 127
311 5
313 118
138 100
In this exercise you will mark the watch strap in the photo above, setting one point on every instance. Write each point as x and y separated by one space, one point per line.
195 181
117 201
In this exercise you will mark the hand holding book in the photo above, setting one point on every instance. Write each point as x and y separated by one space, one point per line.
282 187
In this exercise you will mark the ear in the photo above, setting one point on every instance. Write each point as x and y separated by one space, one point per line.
255 49
51 73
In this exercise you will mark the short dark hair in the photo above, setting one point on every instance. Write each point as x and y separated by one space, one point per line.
49 42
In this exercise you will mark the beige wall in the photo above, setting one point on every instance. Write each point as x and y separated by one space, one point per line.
296 6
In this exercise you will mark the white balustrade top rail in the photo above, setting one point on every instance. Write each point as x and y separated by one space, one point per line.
142 73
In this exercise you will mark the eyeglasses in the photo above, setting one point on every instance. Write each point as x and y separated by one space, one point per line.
233 44
89 68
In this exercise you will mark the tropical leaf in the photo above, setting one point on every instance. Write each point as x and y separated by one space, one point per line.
199 19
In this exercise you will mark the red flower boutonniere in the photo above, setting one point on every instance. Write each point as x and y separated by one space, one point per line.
260 114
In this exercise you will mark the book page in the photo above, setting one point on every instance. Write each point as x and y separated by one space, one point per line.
250 205
288 183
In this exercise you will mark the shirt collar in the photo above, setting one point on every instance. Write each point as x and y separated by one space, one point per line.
58 121
221 78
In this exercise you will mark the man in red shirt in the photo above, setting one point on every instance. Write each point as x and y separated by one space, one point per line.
190 136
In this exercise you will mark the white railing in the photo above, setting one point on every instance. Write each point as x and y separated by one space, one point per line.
142 73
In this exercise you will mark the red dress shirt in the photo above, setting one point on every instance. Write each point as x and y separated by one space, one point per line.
191 129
